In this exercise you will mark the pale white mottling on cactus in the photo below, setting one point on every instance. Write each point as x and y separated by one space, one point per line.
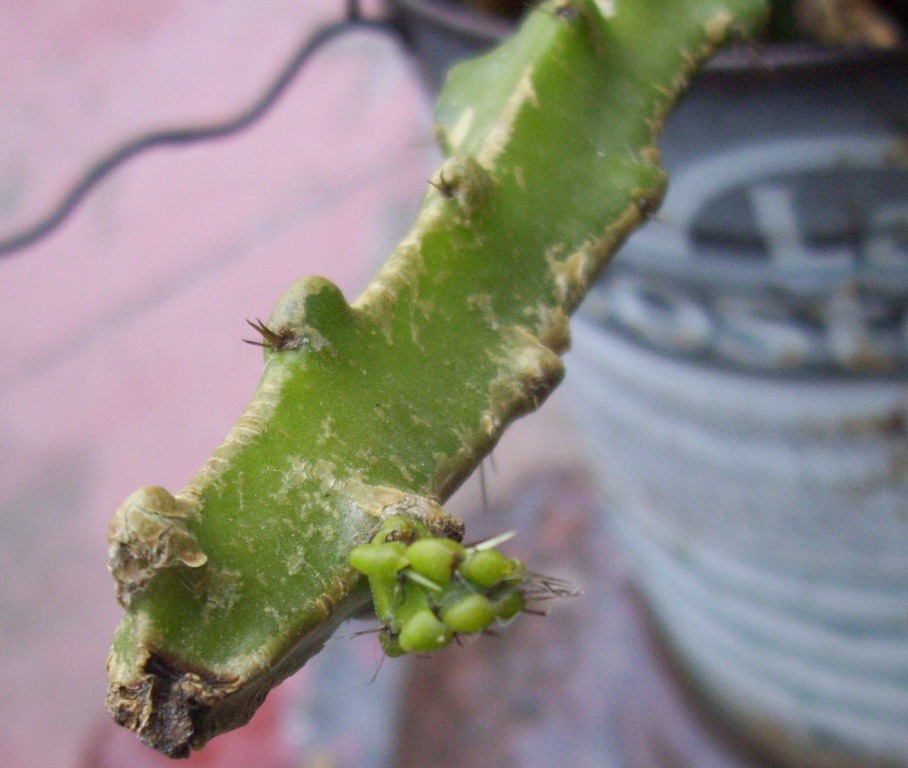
385 406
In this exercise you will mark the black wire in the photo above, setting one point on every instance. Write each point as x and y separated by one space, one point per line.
189 134
353 10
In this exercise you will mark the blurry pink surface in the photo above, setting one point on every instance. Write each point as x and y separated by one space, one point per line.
122 364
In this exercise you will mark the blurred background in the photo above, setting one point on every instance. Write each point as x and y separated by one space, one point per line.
122 363
740 374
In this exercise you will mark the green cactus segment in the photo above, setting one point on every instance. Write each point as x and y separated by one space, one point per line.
426 590
383 408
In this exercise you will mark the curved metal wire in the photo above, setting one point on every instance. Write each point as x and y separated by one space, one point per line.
190 134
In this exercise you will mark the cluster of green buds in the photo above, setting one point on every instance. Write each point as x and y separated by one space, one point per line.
428 590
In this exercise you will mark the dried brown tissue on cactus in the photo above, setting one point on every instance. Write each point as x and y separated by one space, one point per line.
232 584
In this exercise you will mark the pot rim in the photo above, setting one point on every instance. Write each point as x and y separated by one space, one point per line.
750 59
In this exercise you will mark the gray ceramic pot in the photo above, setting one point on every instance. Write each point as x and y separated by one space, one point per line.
741 374
743 368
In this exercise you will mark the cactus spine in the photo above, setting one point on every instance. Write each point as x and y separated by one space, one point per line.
383 407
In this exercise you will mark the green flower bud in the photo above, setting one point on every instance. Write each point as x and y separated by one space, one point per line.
435 558
399 529
471 614
487 568
509 605
379 559
423 632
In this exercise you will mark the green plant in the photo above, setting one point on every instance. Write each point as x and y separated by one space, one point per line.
427 590
379 410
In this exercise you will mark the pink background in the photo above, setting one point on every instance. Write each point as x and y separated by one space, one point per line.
122 364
